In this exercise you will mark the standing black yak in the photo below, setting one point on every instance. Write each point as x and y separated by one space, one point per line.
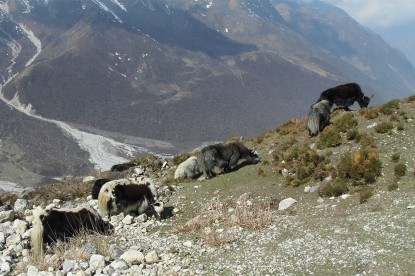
225 156
318 117
49 226
345 95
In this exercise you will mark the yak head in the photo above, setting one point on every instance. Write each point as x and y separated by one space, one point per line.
364 102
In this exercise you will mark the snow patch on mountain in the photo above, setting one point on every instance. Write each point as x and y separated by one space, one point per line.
106 9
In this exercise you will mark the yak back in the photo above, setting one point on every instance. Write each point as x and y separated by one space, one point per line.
133 192
345 91
61 225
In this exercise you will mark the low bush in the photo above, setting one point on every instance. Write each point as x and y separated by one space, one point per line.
384 127
363 165
400 169
335 188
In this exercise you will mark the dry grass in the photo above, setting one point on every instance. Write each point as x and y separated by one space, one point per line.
74 249
215 222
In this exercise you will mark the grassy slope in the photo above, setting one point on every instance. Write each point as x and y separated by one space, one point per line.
342 234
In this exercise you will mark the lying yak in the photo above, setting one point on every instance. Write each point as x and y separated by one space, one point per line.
225 156
115 197
49 226
345 95
318 117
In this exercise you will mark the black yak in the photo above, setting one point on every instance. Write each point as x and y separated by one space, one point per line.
345 95
318 117
122 167
116 197
225 156
49 226
97 187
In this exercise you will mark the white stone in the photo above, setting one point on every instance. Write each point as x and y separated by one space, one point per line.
119 265
133 257
128 220
20 226
21 205
6 216
88 178
97 262
151 257
188 244
286 203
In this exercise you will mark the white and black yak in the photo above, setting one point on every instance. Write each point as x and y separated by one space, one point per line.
121 196
52 225
318 117
97 187
225 156
345 95
188 169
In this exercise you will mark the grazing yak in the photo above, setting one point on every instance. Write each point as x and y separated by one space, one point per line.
318 117
225 156
188 169
345 95
128 197
97 187
122 167
49 226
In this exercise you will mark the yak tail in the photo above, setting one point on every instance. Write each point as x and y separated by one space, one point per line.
37 233
103 199
313 123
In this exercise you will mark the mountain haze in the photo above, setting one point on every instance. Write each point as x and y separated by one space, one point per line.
182 71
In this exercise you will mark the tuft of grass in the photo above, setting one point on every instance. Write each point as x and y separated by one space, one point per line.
352 134
384 127
178 159
345 122
390 107
393 186
329 139
293 126
261 172
365 194
335 188
395 157
363 165
400 169
370 113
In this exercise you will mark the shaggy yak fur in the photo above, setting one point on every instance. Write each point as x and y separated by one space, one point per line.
225 156
188 169
116 197
97 187
49 226
318 117
345 95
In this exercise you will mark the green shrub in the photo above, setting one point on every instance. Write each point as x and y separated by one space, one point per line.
400 169
393 186
363 165
345 122
383 127
328 139
395 157
336 187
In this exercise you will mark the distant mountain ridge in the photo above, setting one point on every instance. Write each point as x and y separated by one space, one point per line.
185 71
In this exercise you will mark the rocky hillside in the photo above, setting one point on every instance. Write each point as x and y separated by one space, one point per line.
351 190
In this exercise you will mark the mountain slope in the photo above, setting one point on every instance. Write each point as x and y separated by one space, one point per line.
186 71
